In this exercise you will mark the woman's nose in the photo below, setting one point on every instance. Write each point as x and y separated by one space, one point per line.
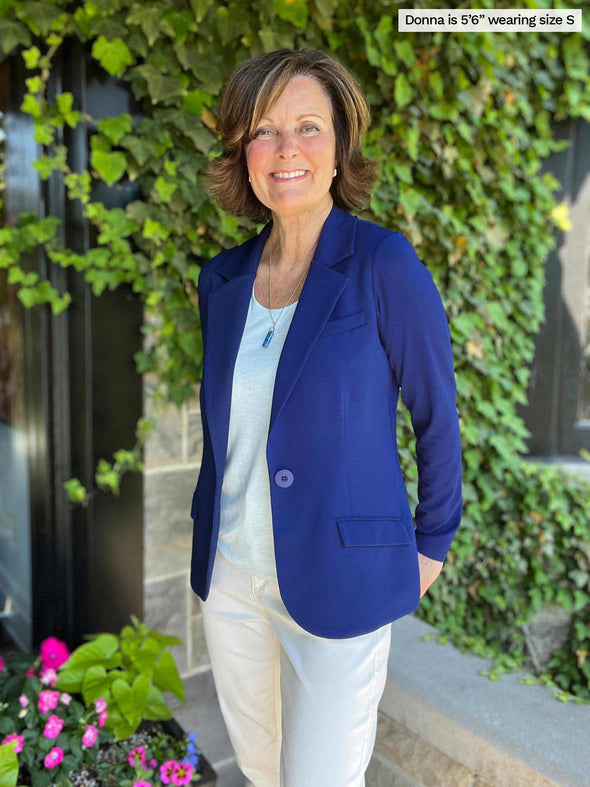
286 141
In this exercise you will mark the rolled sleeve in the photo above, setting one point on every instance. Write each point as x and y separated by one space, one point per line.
415 334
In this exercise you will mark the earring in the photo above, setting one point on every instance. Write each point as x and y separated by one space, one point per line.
249 181
335 171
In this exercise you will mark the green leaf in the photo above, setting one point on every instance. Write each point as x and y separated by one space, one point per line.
166 676
294 11
140 691
110 166
28 296
31 57
144 657
116 127
12 34
164 188
8 765
405 51
160 87
148 18
403 92
114 56
156 708
122 693
70 680
38 16
95 683
99 650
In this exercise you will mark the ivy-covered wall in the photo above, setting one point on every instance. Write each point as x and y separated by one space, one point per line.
460 127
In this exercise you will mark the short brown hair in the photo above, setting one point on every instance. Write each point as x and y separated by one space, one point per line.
251 90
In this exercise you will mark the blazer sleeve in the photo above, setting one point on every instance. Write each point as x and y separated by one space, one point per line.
415 334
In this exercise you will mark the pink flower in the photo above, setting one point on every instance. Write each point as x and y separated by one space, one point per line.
30 672
53 757
53 726
53 653
183 774
102 717
65 698
14 737
136 755
48 676
24 700
153 762
168 771
48 700
90 736
1 664
141 784
100 705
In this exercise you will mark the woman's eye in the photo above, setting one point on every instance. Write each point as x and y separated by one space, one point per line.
265 131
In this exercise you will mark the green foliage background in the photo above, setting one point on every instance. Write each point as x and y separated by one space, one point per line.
460 126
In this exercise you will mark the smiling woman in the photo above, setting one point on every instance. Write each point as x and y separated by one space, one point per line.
304 546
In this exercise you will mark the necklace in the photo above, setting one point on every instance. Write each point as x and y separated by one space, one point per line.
271 332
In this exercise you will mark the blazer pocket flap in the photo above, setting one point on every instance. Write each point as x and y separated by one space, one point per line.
344 323
194 506
369 532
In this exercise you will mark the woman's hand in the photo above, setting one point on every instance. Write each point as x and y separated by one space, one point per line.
429 571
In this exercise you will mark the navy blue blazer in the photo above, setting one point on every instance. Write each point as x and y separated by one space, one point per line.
369 322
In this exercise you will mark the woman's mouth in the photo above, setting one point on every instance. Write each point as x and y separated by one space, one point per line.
287 177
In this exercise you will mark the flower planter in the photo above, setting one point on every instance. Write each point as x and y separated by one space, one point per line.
44 730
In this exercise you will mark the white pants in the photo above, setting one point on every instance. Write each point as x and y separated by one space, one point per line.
300 710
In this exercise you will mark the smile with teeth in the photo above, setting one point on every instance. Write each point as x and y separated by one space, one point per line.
295 175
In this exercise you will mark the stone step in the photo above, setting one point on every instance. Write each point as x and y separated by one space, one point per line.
402 759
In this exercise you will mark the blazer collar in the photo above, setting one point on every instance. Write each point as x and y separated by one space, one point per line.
336 242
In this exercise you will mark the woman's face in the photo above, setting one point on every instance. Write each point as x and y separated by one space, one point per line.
297 133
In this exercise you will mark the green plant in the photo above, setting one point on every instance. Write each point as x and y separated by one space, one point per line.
129 672
48 733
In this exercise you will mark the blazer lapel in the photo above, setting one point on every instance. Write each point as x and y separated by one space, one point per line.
228 307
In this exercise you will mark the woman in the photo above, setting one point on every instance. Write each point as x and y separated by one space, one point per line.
304 548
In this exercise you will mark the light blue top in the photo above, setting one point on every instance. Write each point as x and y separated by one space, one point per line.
245 528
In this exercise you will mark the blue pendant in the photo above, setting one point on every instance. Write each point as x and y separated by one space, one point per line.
268 337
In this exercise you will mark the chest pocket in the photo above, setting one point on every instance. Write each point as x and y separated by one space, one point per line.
344 323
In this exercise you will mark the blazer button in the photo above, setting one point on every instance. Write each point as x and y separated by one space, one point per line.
284 478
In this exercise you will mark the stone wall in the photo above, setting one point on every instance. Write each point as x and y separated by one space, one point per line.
171 468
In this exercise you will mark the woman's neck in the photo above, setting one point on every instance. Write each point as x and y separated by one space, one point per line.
293 240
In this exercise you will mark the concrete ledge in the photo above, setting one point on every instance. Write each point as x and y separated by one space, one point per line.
509 734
